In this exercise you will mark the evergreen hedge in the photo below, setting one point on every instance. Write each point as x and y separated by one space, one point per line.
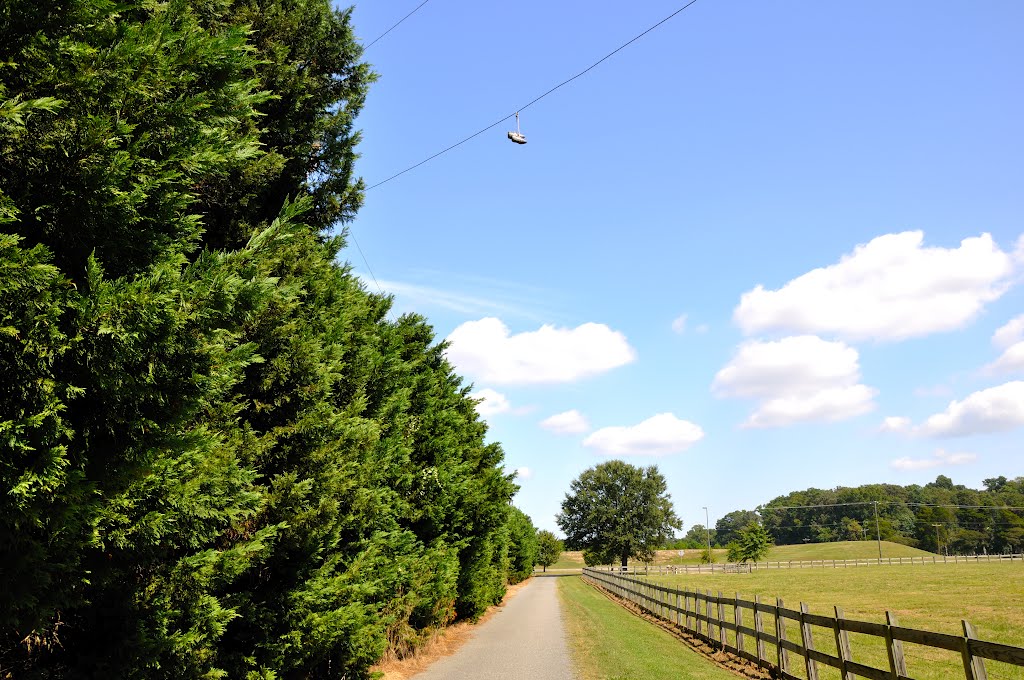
219 456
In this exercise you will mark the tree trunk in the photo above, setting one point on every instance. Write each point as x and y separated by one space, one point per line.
625 562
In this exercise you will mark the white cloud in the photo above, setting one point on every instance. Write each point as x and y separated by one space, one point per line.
939 458
895 424
995 409
487 350
679 324
567 422
1009 338
1010 333
891 288
702 328
657 436
491 403
1010 361
524 473
797 379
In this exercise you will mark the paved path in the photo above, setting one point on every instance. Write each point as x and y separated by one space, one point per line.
524 640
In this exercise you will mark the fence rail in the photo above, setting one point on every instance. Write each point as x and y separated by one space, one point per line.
827 564
704 616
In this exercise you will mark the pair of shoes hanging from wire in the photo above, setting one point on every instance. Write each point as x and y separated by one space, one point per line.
517 136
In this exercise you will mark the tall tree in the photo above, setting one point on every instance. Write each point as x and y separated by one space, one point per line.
618 511
728 527
751 544
222 458
523 545
549 548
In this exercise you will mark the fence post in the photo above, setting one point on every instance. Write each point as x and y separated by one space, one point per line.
808 642
842 645
758 629
781 653
721 619
974 666
696 611
707 612
737 617
897 664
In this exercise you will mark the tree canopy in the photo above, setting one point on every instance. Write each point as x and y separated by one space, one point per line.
549 548
618 511
751 544
728 527
223 457
969 520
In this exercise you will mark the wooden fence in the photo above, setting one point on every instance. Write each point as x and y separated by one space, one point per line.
818 564
704 616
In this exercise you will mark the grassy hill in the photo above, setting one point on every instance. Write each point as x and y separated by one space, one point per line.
841 550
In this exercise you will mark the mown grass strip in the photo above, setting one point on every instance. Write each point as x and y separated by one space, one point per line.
610 643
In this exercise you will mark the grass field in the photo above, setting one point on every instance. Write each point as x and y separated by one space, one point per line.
609 642
842 550
930 597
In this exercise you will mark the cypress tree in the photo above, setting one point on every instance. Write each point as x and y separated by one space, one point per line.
221 457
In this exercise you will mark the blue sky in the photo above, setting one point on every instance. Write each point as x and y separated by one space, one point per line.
768 246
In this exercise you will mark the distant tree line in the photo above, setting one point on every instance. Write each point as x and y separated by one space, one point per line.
939 516
219 455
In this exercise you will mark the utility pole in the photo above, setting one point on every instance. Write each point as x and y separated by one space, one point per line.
878 532
707 528
938 546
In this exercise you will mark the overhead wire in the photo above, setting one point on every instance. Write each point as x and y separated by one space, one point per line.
374 41
365 48
906 503
535 99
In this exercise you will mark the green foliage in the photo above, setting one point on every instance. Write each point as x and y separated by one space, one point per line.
523 546
707 556
698 537
221 457
549 549
727 529
616 510
592 558
906 514
752 544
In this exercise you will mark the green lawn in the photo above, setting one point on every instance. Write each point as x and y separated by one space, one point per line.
609 642
931 597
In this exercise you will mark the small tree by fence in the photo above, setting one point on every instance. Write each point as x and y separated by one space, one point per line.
787 654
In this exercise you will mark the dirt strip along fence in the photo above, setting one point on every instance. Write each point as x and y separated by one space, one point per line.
827 564
785 654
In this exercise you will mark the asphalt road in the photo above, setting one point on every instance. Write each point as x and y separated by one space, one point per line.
524 640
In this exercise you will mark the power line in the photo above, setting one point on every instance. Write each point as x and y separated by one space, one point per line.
536 99
904 503
367 263
396 25
825 505
965 507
